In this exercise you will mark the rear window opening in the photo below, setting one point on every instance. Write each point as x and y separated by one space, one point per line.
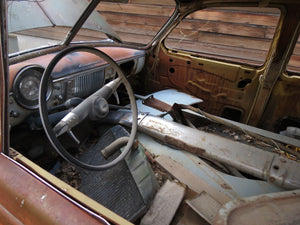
236 34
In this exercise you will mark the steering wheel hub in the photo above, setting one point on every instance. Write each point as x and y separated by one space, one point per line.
99 109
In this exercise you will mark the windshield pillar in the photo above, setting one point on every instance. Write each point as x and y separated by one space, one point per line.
4 123
84 16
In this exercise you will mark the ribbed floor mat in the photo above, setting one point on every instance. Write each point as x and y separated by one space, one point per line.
114 188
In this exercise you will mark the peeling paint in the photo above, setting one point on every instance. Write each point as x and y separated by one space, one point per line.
22 203
182 145
43 197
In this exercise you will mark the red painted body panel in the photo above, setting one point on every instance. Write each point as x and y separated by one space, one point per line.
27 200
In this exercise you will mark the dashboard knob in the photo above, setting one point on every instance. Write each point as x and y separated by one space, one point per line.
14 114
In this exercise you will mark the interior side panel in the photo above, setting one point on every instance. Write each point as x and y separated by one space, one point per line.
226 89
283 108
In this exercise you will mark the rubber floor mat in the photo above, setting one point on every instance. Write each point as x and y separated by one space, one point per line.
114 188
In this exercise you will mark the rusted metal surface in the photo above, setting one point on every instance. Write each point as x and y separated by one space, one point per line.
239 187
216 80
157 104
257 162
31 201
78 61
275 208
174 111
182 145
262 164
211 80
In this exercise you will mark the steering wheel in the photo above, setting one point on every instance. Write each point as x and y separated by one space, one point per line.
95 106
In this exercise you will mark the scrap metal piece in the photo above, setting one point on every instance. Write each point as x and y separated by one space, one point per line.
157 104
249 159
275 208
232 186
257 162
174 111
169 97
253 131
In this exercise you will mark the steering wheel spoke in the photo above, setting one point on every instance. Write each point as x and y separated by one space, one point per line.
95 107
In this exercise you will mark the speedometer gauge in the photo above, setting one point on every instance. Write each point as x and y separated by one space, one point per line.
26 86
29 88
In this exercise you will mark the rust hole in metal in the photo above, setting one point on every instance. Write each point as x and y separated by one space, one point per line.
172 70
243 83
276 167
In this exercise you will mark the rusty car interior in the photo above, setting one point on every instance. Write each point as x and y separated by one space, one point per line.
142 112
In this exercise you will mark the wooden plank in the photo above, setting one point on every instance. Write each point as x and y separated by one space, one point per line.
60 33
153 2
257 10
297 49
138 9
124 20
293 69
134 28
135 18
237 54
208 14
235 41
235 17
270 31
191 180
221 39
224 28
165 204
295 61
42 34
135 38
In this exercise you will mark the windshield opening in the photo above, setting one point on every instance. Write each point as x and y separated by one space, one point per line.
34 24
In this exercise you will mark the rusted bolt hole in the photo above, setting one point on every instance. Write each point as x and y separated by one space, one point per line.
172 70
276 167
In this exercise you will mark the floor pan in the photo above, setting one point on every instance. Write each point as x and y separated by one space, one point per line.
114 188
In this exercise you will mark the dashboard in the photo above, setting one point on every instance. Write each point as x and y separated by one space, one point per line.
79 74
